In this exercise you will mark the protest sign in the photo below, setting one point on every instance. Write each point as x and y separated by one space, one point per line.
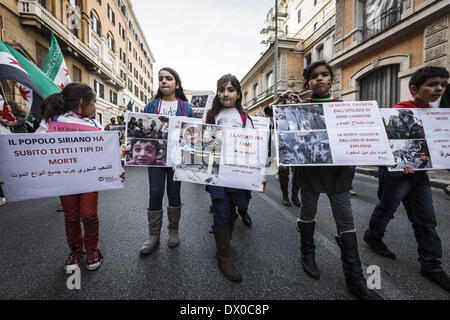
215 155
146 140
54 164
419 137
330 134
120 129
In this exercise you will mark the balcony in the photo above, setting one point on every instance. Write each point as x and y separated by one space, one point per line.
386 20
32 13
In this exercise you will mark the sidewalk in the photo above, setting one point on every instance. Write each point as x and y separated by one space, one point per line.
438 178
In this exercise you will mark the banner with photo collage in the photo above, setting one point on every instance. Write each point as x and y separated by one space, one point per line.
330 134
419 138
215 155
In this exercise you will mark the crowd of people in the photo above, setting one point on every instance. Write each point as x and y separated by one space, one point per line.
76 104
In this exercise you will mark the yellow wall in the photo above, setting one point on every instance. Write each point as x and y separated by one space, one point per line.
348 16
417 2
410 44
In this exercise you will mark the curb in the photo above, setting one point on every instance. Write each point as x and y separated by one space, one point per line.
435 183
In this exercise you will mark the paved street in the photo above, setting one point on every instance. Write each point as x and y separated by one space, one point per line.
33 246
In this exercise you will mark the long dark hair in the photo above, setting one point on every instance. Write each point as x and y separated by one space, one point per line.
179 93
216 105
67 100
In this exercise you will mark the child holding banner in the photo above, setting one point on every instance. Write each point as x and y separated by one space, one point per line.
169 101
75 105
412 188
227 111
335 181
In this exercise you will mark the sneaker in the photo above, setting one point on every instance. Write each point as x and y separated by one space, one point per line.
353 193
2 201
440 277
379 247
94 259
74 259
60 208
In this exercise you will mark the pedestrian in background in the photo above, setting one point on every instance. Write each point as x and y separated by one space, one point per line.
283 172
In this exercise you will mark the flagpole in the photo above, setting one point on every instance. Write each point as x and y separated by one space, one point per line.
3 93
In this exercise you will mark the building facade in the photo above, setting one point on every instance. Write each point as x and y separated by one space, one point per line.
305 33
379 45
102 43
373 46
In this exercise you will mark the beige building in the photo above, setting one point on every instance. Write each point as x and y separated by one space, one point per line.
305 34
102 43
378 46
373 47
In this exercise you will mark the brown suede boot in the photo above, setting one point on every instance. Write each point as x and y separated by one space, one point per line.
223 254
231 225
154 229
173 214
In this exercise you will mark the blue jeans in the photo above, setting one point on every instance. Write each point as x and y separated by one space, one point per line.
225 202
414 191
157 181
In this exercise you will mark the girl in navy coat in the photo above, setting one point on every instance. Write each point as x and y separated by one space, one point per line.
169 101
227 111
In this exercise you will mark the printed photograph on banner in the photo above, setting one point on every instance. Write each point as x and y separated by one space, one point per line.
304 148
413 153
403 124
146 152
300 117
200 148
199 101
147 126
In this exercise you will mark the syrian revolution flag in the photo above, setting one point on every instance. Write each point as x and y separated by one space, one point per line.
54 66
34 85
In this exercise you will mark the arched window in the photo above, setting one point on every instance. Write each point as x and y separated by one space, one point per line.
255 93
110 41
269 82
96 25
381 85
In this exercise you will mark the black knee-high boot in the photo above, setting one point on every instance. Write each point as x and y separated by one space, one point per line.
351 264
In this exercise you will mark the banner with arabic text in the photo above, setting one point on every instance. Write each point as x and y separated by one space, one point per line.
419 137
36 166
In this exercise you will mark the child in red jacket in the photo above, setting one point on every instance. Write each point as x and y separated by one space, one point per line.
412 188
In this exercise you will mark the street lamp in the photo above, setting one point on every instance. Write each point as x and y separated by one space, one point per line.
275 87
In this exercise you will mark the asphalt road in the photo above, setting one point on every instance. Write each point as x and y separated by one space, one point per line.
34 249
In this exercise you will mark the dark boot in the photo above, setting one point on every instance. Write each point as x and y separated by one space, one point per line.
223 254
284 190
295 199
440 277
379 247
351 264
245 217
307 248
231 225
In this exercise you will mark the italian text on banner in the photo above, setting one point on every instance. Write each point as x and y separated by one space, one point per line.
331 134
36 166
227 157
419 137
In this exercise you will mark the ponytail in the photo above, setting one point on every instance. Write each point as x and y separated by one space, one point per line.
66 100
